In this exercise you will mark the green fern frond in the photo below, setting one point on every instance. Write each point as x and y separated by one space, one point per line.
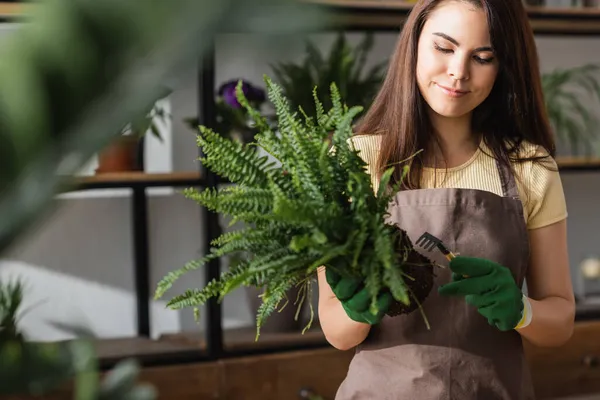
259 120
168 281
231 159
272 297
233 200
227 237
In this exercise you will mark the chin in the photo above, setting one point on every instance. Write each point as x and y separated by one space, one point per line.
451 112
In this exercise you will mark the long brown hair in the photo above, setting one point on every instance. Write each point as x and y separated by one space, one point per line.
513 112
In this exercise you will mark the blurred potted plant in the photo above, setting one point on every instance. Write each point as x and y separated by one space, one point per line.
126 152
232 120
39 368
570 115
345 66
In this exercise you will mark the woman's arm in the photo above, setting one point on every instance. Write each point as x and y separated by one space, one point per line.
340 331
549 287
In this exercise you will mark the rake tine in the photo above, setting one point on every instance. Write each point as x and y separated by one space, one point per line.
429 242
426 242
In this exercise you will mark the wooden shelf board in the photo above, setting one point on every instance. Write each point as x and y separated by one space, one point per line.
404 6
193 346
589 163
192 178
392 5
137 177
558 12
391 14
117 348
133 179
235 340
11 10
240 339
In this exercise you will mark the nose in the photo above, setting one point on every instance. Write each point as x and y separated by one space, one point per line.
458 68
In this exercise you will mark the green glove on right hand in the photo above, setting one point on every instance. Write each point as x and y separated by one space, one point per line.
356 299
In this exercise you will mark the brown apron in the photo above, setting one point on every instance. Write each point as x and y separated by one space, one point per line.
461 357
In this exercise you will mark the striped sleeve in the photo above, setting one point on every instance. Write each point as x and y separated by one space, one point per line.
547 203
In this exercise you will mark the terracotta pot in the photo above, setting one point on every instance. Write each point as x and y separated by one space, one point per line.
122 155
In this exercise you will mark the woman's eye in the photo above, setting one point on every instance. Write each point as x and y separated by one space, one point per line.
482 60
442 49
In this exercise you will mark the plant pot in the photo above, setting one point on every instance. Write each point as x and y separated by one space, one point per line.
122 155
278 321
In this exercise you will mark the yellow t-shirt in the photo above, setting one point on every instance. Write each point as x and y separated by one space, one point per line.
540 187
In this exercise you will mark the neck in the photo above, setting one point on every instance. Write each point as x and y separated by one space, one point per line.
454 142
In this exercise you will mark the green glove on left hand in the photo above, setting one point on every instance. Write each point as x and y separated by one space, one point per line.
488 286
355 298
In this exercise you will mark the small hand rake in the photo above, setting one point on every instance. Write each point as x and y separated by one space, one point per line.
428 242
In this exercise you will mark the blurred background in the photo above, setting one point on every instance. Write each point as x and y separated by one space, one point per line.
90 263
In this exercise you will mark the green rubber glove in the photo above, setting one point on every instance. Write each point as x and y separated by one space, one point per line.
356 299
488 286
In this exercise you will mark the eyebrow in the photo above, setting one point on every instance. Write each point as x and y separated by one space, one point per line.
451 39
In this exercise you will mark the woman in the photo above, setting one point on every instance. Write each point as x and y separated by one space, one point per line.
463 87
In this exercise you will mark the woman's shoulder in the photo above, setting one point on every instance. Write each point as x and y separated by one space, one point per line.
529 152
540 185
367 146
363 140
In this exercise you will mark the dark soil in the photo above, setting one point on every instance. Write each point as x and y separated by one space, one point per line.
421 269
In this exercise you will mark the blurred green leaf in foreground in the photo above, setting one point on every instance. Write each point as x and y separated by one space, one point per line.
71 77
77 71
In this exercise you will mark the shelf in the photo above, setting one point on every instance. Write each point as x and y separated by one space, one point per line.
243 339
187 179
179 348
585 311
567 164
391 14
187 347
136 180
11 11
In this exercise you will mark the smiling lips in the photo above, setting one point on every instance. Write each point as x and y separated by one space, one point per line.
452 92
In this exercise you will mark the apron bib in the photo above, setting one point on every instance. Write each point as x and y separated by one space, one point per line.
461 357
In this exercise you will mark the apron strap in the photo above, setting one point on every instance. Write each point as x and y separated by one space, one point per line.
507 179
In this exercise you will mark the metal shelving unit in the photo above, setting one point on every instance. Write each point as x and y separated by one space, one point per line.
380 15
389 15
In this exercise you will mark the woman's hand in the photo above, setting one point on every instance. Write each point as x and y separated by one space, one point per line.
341 331
549 287
356 300
488 286
551 302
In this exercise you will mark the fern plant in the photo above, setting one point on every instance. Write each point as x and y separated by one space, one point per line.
344 64
572 119
313 206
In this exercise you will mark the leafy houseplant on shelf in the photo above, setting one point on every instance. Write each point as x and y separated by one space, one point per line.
232 120
315 206
39 368
344 65
570 116
126 151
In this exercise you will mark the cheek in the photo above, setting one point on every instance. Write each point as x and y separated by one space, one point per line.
486 81
427 67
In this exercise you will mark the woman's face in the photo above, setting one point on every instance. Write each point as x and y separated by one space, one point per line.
456 66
